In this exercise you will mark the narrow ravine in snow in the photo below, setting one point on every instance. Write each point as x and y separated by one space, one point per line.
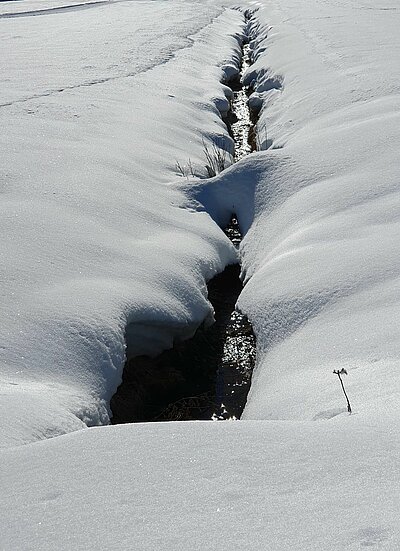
205 377
209 375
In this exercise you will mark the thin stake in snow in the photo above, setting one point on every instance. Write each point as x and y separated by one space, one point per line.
339 373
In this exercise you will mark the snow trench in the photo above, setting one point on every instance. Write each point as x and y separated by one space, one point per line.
207 376
140 249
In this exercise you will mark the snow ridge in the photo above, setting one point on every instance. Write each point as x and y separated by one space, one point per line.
88 261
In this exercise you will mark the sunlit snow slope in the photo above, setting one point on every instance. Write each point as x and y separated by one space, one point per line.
321 255
96 107
323 251
205 486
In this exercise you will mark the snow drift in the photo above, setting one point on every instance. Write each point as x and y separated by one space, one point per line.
320 211
93 244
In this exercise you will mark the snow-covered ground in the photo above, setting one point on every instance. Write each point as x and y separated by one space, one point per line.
205 486
321 256
96 105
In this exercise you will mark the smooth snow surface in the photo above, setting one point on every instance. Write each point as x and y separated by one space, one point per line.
33 8
196 486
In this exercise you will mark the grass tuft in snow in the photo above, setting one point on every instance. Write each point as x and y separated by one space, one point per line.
216 159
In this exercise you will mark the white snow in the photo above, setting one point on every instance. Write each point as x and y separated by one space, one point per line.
25 8
323 249
95 239
91 239
320 257
224 485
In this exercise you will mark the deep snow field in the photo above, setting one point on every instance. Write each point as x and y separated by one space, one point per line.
103 243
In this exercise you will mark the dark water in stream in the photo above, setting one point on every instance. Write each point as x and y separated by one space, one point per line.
205 377
209 375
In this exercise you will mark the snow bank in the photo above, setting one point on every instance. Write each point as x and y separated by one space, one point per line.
320 258
92 242
232 485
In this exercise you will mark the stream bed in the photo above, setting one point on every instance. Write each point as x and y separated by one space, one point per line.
208 376
205 377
